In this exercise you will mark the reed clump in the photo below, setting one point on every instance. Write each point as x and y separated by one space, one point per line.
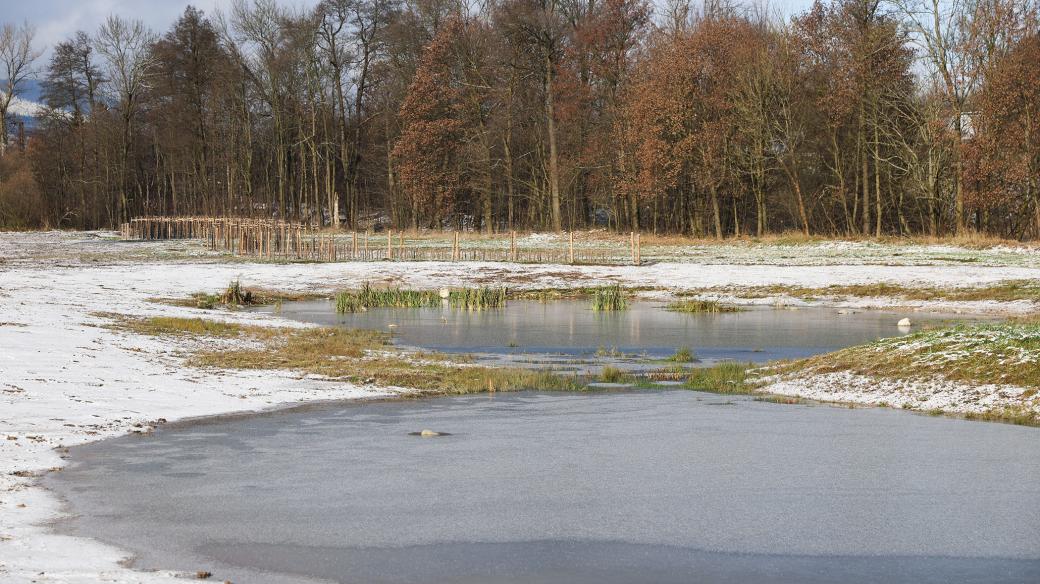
611 374
726 377
233 296
701 306
369 297
481 298
683 354
609 298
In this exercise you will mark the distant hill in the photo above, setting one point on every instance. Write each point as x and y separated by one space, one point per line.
28 104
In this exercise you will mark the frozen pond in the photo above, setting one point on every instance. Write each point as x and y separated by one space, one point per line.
561 331
656 486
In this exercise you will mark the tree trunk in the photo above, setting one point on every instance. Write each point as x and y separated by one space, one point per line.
715 212
877 182
554 170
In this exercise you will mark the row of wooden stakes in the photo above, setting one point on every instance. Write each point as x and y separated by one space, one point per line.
287 240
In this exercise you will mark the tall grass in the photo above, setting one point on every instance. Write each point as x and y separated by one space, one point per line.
701 306
369 297
608 298
611 374
683 354
348 303
726 377
232 296
478 298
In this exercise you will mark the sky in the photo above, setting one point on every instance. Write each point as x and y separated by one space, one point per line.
56 20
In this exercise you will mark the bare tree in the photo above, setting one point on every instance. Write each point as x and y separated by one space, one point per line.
125 47
16 58
958 39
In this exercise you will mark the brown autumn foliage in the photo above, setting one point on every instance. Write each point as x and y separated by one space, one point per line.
427 152
1003 174
21 205
708 118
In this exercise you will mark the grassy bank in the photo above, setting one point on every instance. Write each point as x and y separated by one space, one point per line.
364 356
1008 291
1003 357
1006 353
356 356
994 369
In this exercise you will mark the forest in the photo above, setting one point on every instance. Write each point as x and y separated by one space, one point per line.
711 119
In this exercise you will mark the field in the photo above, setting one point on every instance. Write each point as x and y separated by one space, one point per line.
70 374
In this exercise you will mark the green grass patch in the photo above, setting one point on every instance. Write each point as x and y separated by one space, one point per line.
609 298
369 297
481 298
683 354
701 306
728 377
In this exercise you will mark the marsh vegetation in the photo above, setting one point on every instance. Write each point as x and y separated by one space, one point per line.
369 297
481 298
701 306
609 298
352 355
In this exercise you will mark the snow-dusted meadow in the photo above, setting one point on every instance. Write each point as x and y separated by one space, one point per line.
66 380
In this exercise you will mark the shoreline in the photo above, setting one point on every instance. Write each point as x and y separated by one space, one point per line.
65 380
148 552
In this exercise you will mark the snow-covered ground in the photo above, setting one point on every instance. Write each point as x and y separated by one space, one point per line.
65 380
913 394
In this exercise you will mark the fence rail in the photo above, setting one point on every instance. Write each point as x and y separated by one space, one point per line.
287 240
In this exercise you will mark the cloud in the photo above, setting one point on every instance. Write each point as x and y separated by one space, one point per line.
57 20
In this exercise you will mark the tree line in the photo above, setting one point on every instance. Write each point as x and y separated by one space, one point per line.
855 117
